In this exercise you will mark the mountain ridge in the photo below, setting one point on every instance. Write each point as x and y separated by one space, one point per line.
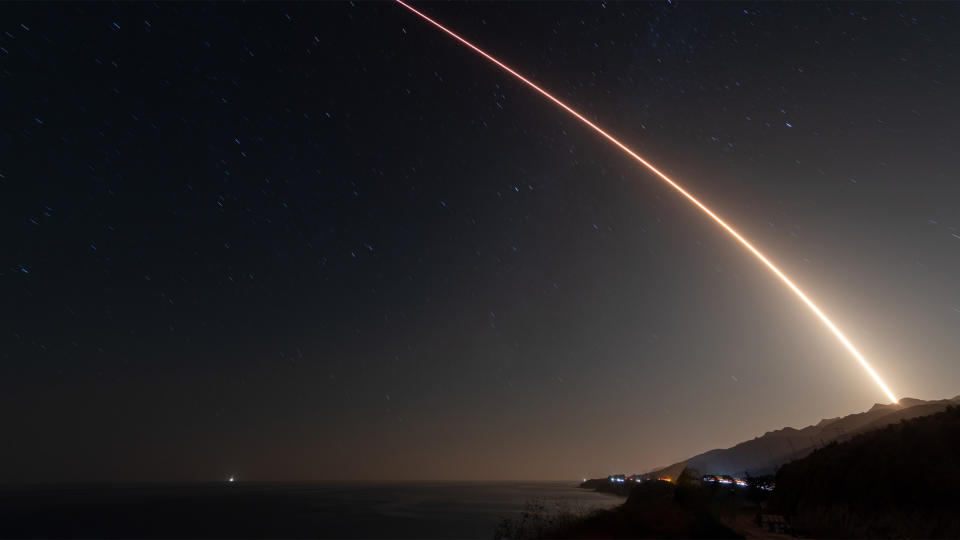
766 453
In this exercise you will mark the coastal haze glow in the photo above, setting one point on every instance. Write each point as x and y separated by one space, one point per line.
793 287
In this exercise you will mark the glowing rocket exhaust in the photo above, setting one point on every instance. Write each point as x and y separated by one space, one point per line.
833 328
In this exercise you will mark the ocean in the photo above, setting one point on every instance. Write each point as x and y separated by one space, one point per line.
355 510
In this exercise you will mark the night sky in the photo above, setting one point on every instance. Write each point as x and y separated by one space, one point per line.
326 242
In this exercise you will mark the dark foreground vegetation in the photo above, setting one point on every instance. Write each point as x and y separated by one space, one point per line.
656 509
902 481
899 481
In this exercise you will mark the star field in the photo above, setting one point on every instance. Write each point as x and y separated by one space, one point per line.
322 241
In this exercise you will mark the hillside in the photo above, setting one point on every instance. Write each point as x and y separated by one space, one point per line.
897 481
765 454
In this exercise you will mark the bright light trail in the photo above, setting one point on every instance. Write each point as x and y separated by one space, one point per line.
813 307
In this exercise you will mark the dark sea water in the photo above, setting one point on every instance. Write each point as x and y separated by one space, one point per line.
401 510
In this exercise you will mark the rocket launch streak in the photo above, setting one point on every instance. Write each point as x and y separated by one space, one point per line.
833 328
